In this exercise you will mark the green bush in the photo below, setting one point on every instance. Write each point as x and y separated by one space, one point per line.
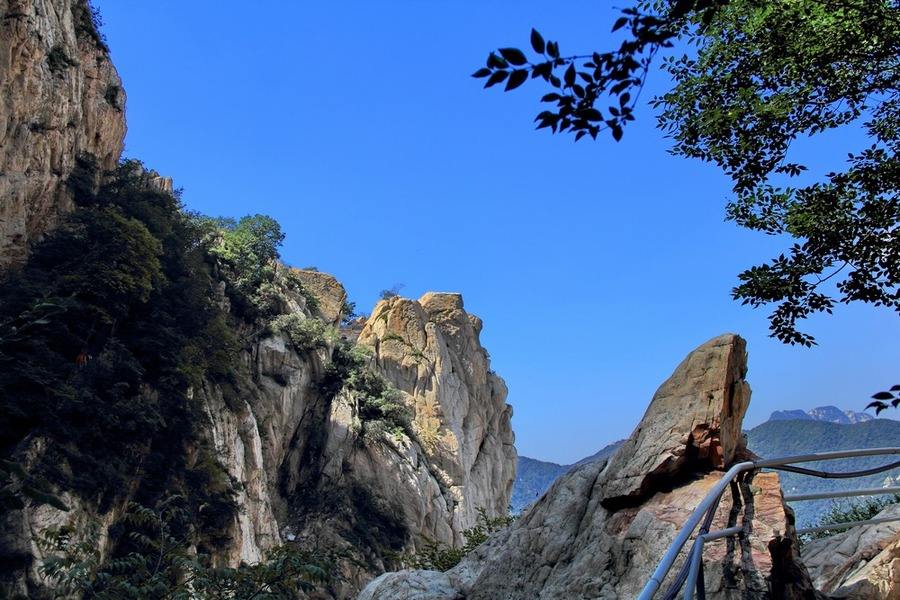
848 511
305 333
381 406
437 556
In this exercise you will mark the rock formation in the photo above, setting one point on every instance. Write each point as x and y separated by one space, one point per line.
61 101
862 563
429 350
309 468
601 529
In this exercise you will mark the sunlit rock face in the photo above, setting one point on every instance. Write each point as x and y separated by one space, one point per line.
602 528
862 563
60 99
307 468
430 350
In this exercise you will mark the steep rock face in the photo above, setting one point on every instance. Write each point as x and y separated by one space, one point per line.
60 98
430 350
328 291
862 563
601 529
305 465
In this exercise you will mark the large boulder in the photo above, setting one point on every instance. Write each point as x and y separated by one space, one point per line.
601 529
329 294
862 563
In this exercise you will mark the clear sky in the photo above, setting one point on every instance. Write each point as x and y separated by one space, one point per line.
595 266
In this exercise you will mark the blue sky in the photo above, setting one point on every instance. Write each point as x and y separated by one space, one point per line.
595 266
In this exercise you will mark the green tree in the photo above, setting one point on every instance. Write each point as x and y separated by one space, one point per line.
246 252
749 78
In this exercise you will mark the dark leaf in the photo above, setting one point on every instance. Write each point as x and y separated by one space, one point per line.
553 49
514 56
496 78
516 78
483 72
495 62
616 132
620 23
537 42
883 396
569 76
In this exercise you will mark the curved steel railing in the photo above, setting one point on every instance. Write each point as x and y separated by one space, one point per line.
709 504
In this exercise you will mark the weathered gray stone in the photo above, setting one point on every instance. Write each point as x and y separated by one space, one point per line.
862 563
694 417
60 97
601 529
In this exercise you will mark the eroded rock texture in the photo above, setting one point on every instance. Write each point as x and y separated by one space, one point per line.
429 349
601 529
862 563
60 100
309 468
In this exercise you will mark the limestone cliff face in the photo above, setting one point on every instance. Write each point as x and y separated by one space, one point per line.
601 529
304 464
60 99
429 349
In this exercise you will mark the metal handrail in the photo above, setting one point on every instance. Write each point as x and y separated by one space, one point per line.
847 525
665 564
843 494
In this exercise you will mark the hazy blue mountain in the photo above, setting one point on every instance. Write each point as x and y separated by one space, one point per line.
534 477
791 437
790 415
831 414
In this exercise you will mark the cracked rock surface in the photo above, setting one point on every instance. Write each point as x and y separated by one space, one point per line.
601 529
60 99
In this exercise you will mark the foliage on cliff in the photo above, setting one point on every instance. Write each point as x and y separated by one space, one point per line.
850 511
114 319
155 563
435 556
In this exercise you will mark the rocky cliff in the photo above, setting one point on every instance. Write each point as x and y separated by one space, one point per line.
862 563
61 101
309 465
601 529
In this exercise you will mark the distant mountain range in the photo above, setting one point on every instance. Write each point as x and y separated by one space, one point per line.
831 414
786 433
534 477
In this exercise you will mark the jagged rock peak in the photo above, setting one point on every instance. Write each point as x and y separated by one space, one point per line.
60 99
573 544
692 424
330 295
430 350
